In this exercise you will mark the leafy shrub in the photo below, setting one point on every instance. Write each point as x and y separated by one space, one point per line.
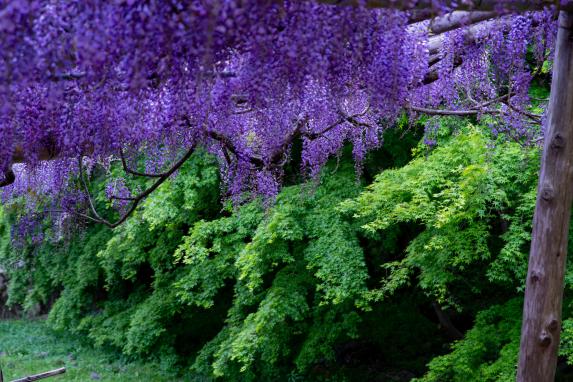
296 288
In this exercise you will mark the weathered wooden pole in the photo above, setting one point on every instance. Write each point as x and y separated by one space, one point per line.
544 286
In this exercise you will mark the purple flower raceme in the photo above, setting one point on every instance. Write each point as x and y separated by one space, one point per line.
243 79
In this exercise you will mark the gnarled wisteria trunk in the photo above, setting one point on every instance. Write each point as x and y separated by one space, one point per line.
544 286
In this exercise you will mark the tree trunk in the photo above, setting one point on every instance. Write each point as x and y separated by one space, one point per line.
544 285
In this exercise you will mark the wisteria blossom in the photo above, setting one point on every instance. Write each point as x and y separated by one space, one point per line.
244 79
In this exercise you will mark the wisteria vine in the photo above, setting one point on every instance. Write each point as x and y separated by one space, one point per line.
86 83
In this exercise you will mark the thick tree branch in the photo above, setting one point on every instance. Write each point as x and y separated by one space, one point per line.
433 73
343 118
446 323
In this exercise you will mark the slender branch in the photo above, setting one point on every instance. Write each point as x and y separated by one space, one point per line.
245 111
134 172
479 109
539 99
228 144
66 76
136 200
313 136
128 198
494 100
86 189
70 212
459 113
534 117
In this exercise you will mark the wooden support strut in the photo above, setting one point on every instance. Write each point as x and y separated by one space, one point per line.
37 377
544 285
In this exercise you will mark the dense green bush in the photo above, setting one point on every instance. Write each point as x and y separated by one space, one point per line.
338 278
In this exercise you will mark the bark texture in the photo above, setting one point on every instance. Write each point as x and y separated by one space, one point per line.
544 286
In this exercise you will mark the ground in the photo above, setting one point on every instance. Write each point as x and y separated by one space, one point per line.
29 347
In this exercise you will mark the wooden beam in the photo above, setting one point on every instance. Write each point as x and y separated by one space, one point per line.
544 285
458 19
37 377
435 43
470 5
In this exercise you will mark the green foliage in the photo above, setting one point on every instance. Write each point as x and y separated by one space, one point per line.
488 351
455 196
30 347
116 287
245 292
336 279
291 266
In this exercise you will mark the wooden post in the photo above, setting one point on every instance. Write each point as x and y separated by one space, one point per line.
544 285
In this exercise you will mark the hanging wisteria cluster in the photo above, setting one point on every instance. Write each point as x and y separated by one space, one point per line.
84 83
